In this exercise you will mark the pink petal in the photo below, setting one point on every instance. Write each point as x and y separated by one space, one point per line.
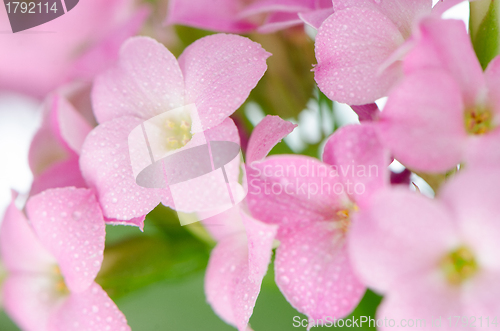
105 164
147 81
228 268
227 131
367 113
291 190
219 16
137 221
399 234
20 249
260 237
70 225
481 296
445 44
272 6
483 151
492 76
279 21
48 145
266 135
30 299
402 13
472 197
314 272
235 271
351 45
89 310
62 174
423 122
224 225
315 18
104 54
37 63
220 71
360 158
423 296
61 135
71 126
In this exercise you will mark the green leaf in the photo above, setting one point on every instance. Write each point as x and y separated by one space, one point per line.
164 252
288 83
485 32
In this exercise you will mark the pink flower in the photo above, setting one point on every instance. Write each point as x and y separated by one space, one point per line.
239 16
446 110
433 258
215 74
244 245
359 47
55 149
52 263
77 45
314 204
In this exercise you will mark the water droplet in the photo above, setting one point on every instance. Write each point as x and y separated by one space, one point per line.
285 280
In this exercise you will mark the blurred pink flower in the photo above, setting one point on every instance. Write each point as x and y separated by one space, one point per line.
55 149
314 204
77 45
215 73
433 258
359 48
52 262
240 16
446 110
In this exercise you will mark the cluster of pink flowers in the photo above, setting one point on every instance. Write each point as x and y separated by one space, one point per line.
338 225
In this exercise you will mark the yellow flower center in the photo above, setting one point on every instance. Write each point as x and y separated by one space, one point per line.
343 219
178 131
60 285
478 121
459 265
